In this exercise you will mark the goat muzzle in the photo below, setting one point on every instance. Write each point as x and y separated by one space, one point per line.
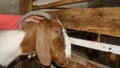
63 64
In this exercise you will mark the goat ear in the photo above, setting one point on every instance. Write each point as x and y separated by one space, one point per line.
42 47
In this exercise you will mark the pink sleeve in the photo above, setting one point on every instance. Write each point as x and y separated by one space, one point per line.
8 22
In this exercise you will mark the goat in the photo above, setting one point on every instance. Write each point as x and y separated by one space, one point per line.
47 39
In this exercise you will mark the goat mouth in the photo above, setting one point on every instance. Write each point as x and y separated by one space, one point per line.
62 64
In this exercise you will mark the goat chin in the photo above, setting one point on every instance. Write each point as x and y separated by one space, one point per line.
10 45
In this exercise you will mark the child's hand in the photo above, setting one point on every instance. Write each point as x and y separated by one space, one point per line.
34 19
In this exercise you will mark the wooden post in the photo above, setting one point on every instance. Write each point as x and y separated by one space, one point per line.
25 6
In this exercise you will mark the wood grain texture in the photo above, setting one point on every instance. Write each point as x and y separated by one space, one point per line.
59 3
25 6
81 62
97 20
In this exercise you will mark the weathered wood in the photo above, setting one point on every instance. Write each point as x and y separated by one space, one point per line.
97 20
81 62
43 2
62 2
25 6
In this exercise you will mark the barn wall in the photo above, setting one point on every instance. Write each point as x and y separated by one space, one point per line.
9 6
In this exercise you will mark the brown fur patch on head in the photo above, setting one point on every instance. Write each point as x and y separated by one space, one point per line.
29 41
57 47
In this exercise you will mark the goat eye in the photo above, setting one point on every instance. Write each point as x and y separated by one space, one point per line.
56 31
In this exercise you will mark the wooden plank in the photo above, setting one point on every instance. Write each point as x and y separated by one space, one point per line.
62 2
81 62
97 20
96 45
43 2
25 6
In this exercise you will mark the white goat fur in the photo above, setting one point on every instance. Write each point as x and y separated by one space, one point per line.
10 45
